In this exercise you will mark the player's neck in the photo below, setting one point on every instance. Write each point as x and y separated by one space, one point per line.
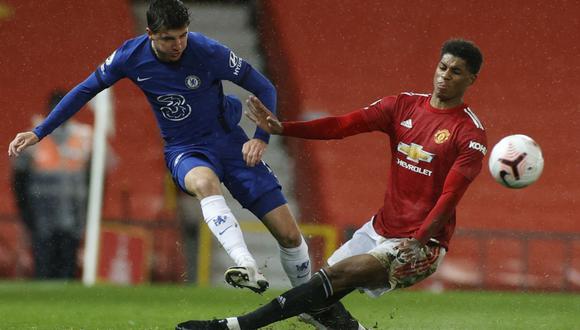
159 57
154 50
438 103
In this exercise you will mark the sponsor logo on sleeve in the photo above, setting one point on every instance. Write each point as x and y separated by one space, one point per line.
478 146
235 63
108 61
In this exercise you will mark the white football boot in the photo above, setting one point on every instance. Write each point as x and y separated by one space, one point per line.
246 277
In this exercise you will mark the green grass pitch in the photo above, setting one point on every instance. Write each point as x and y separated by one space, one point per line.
52 305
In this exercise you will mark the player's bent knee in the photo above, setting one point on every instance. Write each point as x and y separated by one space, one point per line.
339 277
290 239
203 186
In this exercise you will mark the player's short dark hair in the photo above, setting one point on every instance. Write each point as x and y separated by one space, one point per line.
466 50
167 15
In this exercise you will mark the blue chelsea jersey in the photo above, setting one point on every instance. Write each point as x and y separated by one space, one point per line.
186 96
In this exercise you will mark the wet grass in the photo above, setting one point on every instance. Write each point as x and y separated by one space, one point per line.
55 305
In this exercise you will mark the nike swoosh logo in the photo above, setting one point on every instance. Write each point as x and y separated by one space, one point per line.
223 231
139 79
302 276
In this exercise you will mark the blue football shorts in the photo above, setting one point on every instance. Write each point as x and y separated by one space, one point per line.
255 188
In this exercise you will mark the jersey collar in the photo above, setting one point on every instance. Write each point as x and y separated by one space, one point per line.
437 110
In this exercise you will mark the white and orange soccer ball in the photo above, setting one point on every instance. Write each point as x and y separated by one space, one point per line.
516 161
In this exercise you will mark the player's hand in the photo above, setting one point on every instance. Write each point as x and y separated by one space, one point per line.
264 118
410 250
21 142
253 150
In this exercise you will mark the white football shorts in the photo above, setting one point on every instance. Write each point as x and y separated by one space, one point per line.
400 274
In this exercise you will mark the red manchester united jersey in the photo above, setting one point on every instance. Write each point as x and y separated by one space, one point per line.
426 144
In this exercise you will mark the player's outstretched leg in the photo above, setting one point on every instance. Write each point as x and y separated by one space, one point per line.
316 293
246 277
203 325
335 317
294 255
226 229
296 263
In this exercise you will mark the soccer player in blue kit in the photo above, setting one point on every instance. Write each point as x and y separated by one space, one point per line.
181 73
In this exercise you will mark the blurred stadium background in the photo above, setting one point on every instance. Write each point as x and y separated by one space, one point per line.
325 57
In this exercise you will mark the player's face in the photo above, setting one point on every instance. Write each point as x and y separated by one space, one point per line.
452 78
169 44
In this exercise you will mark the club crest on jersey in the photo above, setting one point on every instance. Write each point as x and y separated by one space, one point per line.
192 82
441 136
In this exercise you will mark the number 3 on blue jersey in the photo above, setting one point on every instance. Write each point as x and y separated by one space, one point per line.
174 108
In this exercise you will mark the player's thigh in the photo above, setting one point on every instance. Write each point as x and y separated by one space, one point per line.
363 240
282 225
358 271
198 175
256 188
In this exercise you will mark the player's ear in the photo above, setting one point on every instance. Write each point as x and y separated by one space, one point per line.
473 78
149 32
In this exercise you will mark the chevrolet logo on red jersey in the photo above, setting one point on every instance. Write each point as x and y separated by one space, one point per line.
415 152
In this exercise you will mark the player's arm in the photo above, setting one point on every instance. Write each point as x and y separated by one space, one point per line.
368 119
66 108
229 66
254 82
454 188
465 169
106 75
69 105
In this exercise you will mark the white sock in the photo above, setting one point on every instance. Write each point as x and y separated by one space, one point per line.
233 323
296 263
226 229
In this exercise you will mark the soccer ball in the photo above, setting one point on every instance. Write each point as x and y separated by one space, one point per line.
516 161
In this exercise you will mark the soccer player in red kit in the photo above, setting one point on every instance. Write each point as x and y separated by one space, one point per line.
437 148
